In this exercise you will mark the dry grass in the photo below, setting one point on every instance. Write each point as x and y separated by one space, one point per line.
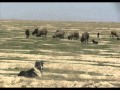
67 63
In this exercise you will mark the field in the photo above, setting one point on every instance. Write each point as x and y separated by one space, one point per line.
67 63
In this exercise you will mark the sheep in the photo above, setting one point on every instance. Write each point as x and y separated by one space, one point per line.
74 35
42 32
59 34
113 33
85 37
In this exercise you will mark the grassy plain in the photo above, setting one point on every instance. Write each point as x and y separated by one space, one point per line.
67 63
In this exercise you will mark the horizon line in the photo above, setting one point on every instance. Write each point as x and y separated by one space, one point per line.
61 20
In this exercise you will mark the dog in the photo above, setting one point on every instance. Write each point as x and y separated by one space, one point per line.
36 71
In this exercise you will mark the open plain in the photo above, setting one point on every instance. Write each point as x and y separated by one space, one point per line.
67 63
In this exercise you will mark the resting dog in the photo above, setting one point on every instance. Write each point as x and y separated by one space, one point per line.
36 71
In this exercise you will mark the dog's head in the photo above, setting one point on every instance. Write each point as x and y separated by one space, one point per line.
39 65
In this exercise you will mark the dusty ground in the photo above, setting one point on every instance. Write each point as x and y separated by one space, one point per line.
67 63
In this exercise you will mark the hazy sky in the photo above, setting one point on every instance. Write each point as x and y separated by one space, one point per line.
72 11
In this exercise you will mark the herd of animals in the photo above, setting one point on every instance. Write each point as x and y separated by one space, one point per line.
38 68
60 34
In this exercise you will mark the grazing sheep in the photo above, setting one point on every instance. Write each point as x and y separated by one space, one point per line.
59 34
35 32
94 42
70 37
74 35
36 71
27 33
113 33
42 32
85 37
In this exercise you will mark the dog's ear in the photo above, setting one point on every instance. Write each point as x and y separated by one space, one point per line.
36 62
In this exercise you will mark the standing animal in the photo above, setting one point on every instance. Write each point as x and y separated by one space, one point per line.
35 32
59 34
73 35
113 33
27 33
42 32
94 42
36 71
85 37
98 34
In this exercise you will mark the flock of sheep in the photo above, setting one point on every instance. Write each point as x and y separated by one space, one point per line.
60 34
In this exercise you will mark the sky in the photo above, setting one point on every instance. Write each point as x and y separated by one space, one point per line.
61 11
